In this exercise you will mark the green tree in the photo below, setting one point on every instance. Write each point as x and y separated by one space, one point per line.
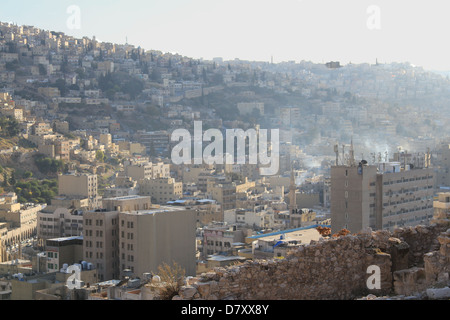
99 155
5 180
12 179
28 174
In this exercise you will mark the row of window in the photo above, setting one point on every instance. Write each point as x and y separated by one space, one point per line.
130 258
402 211
406 221
98 244
406 180
218 243
98 223
52 266
98 233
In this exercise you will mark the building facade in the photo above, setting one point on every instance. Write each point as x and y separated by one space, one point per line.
385 196
149 238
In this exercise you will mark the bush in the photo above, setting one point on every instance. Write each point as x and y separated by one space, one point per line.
36 191
47 165
171 277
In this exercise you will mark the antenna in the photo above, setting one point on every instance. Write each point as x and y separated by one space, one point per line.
343 152
351 155
336 150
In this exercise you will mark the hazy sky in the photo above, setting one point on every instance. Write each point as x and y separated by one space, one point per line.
414 31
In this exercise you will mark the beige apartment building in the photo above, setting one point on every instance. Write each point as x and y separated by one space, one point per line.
17 222
101 234
49 92
221 238
127 203
79 185
139 171
385 196
105 139
441 207
224 192
100 243
443 165
161 190
149 238
63 218
147 170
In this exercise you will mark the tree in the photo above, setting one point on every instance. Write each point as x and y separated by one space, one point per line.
61 85
42 70
12 179
47 165
155 75
5 180
99 155
9 127
27 174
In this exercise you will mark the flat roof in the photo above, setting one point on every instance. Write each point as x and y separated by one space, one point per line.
13 262
157 210
126 197
304 234
66 238
225 258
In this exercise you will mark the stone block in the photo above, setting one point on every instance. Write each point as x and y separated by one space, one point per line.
439 293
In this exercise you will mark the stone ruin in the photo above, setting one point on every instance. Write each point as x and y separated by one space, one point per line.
413 262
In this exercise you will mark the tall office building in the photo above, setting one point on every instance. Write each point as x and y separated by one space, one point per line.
131 234
101 234
382 196
149 238
100 242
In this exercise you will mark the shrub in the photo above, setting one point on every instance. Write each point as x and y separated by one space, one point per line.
171 276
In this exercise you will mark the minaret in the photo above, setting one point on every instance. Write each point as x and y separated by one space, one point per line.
352 155
292 197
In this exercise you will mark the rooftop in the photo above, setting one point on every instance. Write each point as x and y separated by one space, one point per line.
131 197
67 239
157 210
303 235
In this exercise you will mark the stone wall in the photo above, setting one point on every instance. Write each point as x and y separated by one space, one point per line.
335 268
421 240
